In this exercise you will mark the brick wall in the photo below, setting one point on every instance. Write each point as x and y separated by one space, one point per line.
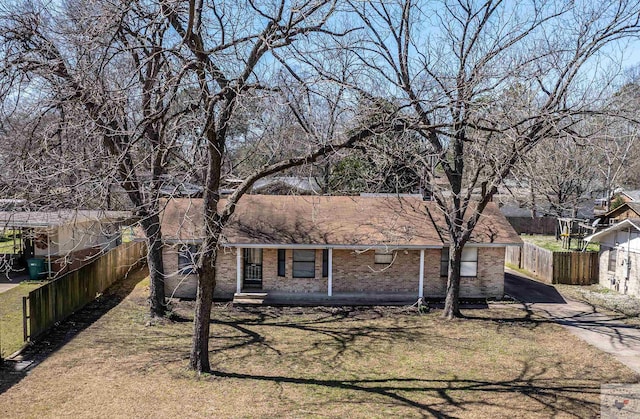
358 272
616 280
489 282
185 286
352 272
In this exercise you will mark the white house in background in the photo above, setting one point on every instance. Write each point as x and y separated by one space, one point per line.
620 256
66 239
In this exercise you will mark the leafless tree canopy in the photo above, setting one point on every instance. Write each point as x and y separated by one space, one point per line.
120 101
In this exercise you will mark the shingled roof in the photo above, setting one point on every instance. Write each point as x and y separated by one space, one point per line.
375 221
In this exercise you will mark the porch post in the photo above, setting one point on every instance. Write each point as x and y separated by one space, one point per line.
238 269
421 280
330 274
49 255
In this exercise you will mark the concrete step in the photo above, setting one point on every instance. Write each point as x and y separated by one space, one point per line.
255 298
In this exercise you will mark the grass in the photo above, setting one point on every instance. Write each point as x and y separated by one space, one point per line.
621 306
6 242
331 362
11 317
550 243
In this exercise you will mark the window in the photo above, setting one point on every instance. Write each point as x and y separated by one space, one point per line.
304 263
444 262
325 263
383 257
187 259
282 257
613 256
468 263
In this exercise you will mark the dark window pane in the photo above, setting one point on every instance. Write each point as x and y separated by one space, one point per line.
282 253
325 263
444 261
304 262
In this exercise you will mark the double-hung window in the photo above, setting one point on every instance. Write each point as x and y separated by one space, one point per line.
304 263
187 259
468 263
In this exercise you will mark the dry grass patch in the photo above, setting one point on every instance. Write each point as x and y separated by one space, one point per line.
620 306
329 362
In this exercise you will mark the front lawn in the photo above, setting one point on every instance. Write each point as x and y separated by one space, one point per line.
11 334
329 362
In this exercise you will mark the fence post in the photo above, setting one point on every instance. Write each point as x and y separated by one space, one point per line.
25 333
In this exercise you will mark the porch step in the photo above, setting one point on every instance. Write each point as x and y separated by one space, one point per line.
256 298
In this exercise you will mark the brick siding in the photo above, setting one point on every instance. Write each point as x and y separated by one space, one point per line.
352 272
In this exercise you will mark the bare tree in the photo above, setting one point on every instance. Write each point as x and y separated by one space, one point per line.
105 112
560 175
234 48
483 82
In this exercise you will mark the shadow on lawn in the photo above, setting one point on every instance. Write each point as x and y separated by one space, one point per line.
13 371
554 396
450 397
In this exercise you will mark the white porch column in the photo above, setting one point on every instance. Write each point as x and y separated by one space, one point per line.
49 273
238 269
421 280
330 274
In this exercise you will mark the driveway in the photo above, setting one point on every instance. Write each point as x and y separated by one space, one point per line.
14 279
604 332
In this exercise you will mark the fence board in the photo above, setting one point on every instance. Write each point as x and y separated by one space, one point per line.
56 300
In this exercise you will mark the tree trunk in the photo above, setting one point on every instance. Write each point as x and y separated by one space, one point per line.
199 358
452 303
151 226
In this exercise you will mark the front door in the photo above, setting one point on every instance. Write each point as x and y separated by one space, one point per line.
252 268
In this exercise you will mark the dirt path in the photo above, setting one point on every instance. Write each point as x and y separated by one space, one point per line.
602 331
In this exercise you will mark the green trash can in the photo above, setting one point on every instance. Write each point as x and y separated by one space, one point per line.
36 268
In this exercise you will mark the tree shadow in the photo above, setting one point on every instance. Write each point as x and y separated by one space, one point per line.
452 395
555 395
12 371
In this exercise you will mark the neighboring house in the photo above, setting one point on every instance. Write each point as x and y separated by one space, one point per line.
323 248
628 196
620 256
66 239
624 211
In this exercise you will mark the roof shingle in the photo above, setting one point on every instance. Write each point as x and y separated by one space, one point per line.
331 220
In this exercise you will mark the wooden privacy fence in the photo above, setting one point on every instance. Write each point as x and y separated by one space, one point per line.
575 268
56 300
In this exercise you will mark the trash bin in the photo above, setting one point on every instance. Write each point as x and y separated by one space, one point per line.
36 268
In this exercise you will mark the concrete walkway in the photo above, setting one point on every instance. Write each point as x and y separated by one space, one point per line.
604 332
7 287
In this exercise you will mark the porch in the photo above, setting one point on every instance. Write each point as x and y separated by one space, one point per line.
322 299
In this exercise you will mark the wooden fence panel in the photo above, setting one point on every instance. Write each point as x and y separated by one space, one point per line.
575 268
56 300
538 261
512 256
